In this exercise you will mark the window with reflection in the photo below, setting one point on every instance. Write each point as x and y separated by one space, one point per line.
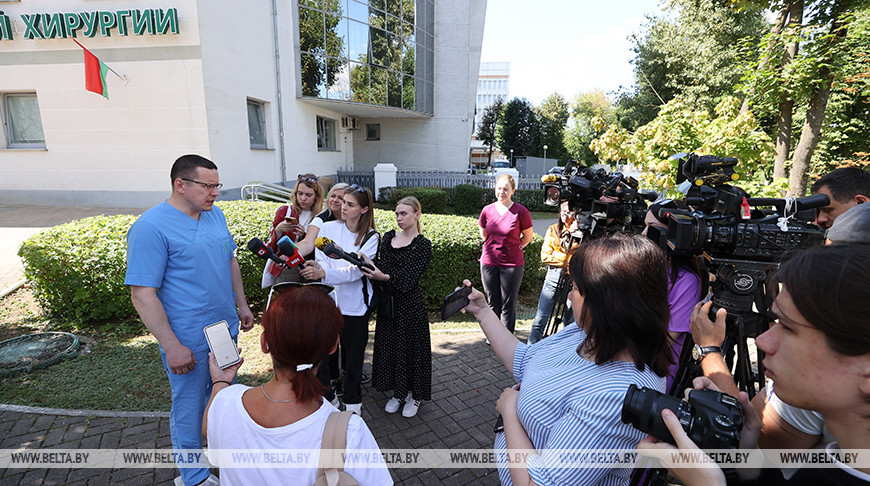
378 52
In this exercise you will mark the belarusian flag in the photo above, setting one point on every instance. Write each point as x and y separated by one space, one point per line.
95 73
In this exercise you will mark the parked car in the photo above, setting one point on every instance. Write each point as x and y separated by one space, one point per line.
500 167
556 170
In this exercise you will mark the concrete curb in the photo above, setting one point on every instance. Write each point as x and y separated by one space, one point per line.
77 413
12 288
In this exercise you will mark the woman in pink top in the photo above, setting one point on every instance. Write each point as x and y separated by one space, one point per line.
506 228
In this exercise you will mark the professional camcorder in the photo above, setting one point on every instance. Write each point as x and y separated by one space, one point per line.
712 419
725 222
583 188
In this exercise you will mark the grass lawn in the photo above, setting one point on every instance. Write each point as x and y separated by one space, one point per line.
119 367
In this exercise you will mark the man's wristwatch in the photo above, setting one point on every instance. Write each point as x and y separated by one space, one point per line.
698 352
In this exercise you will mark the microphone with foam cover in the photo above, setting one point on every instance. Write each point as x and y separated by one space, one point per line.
261 250
289 250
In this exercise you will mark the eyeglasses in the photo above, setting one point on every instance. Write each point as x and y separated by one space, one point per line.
357 188
210 187
308 179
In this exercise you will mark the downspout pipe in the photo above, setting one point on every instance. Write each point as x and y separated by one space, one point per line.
278 94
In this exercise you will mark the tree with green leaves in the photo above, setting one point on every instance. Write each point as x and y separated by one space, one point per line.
518 128
693 51
488 122
552 116
687 127
819 45
580 132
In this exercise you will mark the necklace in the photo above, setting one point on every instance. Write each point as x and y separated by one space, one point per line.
263 387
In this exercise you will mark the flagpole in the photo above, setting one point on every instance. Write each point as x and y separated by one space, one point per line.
122 78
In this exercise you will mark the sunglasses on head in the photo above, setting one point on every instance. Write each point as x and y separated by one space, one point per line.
357 188
308 179
290 286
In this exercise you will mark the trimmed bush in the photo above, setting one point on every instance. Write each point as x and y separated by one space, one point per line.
456 247
77 269
469 199
432 199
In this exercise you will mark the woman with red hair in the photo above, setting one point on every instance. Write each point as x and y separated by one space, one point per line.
288 412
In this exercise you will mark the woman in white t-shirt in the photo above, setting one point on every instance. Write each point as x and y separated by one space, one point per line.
354 234
287 413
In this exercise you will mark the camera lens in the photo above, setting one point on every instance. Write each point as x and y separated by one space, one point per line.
642 408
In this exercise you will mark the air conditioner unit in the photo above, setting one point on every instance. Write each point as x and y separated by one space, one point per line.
346 121
354 124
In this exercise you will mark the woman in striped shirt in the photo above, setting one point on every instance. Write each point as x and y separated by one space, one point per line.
574 382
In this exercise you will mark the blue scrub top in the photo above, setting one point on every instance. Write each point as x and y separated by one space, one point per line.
188 262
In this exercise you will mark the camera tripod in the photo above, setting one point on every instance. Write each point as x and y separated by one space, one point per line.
739 285
563 286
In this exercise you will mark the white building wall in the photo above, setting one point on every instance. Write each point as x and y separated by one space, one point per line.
187 93
115 152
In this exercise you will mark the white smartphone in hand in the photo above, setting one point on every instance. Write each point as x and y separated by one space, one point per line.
221 344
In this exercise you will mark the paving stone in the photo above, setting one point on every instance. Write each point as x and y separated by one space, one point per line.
34 476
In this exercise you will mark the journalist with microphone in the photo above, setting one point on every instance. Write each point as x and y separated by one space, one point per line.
355 233
183 276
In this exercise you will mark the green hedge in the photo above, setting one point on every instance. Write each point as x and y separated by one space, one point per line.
432 199
77 269
470 199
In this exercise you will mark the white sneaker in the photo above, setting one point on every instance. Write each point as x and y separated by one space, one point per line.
212 480
354 407
411 406
336 403
393 405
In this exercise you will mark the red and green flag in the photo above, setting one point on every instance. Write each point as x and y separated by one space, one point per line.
95 73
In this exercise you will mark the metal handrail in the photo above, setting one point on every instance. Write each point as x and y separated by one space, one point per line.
264 191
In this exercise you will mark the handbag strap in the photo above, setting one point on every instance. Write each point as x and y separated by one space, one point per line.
334 442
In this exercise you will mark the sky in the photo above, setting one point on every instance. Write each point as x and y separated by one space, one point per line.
563 46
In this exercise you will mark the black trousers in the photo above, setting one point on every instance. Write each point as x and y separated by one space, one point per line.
501 286
354 338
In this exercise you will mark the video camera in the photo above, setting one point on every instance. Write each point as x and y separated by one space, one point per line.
742 239
583 188
712 419
723 222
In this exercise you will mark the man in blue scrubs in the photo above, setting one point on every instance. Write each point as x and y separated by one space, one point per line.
183 276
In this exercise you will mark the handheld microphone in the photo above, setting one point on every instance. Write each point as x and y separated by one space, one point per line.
330 249
261 250
289 250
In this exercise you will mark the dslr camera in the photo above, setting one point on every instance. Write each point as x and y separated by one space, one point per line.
712 419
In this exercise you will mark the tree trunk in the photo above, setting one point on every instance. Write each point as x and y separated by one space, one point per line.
781 18
810 135
786 106
812 129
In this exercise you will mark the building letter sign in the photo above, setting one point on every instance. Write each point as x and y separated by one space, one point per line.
153 21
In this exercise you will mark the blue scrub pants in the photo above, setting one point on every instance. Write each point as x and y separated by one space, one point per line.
190 394
545 306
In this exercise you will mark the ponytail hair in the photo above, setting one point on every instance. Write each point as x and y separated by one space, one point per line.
300 327
415 205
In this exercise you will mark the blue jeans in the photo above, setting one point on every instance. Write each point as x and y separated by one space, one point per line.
190 394
545 306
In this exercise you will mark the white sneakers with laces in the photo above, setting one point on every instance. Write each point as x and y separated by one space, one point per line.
393 405
411 406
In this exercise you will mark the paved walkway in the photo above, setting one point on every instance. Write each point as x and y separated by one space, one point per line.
466 382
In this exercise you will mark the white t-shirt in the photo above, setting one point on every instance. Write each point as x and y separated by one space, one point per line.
230 427
343 275
809 422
